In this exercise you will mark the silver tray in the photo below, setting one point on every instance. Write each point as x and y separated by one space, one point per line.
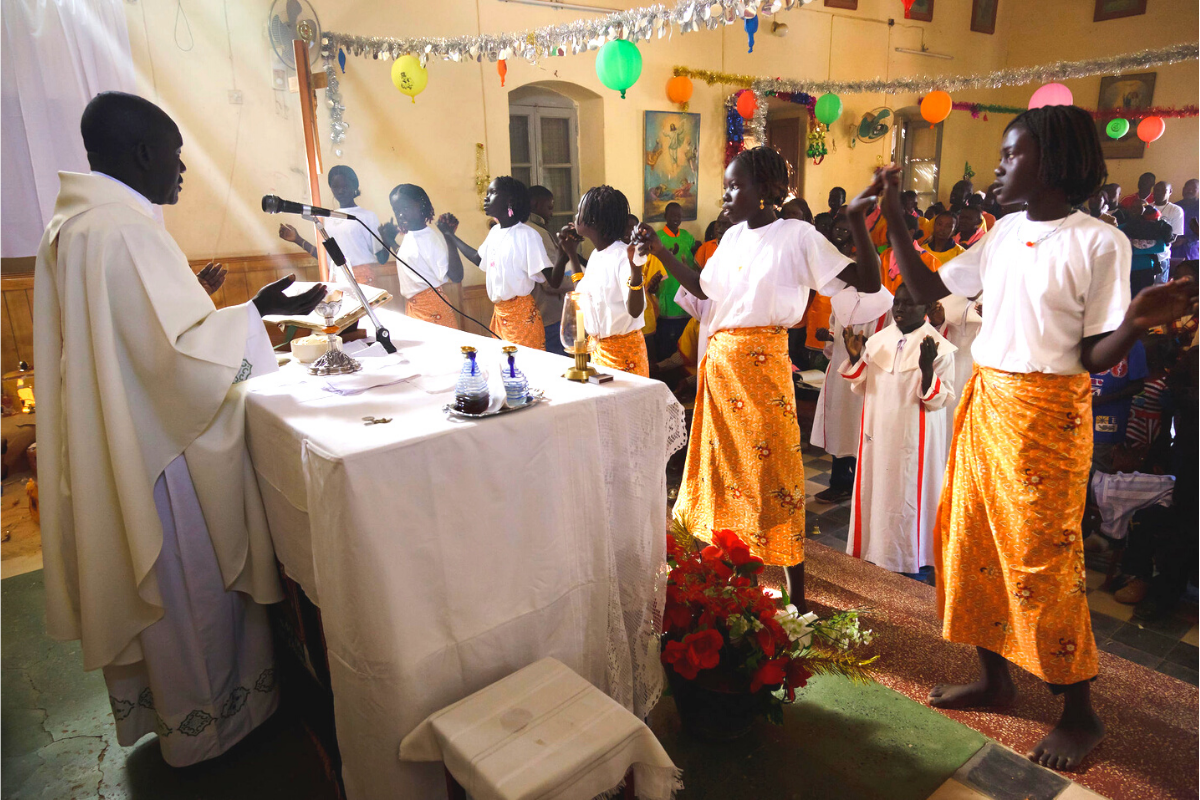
535 396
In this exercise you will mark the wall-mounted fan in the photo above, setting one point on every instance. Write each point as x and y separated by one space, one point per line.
293 19
874 125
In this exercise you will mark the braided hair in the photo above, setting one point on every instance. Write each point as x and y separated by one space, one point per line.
417 195
350 175
605 209
769 170
1071 157
518 196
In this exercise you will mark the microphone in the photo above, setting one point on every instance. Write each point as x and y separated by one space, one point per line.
273 204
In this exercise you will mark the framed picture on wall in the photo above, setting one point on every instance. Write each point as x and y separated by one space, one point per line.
921 10
1129 93
851 5
983 16
671 164
1115 9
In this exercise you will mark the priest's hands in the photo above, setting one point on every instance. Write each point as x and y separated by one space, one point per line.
272 300
855 342
212 277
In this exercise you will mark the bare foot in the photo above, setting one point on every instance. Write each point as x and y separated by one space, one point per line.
980 694
1068 744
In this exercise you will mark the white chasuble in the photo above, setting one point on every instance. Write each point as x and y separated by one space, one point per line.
901 450
137 368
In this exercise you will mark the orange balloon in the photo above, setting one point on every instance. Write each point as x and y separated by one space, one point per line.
502 69
935 107
1150 129
679 89
747 104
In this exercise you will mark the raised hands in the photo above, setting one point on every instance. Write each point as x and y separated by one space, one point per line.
448 224
936 315
212 277
865 200
1159 305
288 233
388 231
855 342
272 300
639 242
569 239
928 355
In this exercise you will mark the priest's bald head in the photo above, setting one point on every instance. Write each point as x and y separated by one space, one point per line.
129 138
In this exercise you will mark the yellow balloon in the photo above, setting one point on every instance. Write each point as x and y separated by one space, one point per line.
409 76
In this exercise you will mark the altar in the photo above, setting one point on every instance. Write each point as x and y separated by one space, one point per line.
446 553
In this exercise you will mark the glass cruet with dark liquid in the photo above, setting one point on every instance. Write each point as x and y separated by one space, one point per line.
471 391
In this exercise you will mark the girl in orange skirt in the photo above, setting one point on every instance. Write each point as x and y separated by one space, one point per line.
429 259
744 470
612 285
1008 543
513 258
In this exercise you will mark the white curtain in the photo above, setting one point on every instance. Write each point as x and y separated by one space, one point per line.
57 55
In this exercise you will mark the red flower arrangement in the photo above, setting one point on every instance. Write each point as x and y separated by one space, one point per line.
725 633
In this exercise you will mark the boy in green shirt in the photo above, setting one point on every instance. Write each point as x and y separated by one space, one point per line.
671 318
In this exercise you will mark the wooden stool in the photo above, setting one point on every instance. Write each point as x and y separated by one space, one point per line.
542 732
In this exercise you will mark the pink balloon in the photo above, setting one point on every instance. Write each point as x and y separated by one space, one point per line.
1052 94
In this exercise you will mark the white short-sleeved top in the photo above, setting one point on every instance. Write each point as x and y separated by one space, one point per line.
425 251
763 276
513 259
357 245
1042 301
603 284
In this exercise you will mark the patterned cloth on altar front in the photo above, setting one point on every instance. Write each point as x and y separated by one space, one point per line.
445 554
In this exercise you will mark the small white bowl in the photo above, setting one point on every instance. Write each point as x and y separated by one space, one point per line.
309 348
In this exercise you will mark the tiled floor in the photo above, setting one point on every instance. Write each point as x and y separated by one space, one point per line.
1169 646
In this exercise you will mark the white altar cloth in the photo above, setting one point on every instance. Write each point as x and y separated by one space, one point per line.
445 554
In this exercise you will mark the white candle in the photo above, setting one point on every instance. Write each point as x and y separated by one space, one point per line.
580 332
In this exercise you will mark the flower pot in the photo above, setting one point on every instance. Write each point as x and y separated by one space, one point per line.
711 715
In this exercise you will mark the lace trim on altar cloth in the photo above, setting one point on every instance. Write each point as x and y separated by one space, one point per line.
677 435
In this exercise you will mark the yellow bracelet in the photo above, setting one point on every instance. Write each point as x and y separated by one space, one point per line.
632 288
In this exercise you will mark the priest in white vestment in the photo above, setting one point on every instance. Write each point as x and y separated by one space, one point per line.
904 374
156 549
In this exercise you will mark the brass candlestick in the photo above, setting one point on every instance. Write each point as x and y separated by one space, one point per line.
574 337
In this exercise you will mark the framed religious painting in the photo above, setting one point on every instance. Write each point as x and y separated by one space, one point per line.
1115 9
1126 93
671 164
983 16
849 5
920 10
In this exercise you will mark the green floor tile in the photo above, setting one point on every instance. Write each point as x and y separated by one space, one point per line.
840 740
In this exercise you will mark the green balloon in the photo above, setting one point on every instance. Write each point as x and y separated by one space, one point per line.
829 108
619 65
1117 128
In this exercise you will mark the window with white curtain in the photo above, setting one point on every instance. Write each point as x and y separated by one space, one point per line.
543 134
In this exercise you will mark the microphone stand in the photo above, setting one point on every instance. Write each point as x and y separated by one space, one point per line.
382 335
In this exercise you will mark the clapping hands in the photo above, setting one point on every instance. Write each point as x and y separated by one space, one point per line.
569 239
448 224
855 342
928 355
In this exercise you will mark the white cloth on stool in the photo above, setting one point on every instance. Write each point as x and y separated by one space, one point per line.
207 677
545 733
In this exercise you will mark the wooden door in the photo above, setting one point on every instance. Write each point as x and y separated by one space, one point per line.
785 135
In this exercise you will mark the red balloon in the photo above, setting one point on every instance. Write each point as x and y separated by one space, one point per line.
747 104
1150 129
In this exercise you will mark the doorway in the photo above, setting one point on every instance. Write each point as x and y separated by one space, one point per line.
786 133
543 137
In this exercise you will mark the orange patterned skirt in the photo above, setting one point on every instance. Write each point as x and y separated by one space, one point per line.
626 352
744 470
1009 544
428 307
518 321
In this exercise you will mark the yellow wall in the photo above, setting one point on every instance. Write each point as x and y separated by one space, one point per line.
432 142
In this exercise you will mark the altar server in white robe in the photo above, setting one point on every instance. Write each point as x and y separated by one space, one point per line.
838 417
155 543
904 374
960 321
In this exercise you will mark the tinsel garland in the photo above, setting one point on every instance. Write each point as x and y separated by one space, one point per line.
1105 114
1045 73
333 100
638 24
734 129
